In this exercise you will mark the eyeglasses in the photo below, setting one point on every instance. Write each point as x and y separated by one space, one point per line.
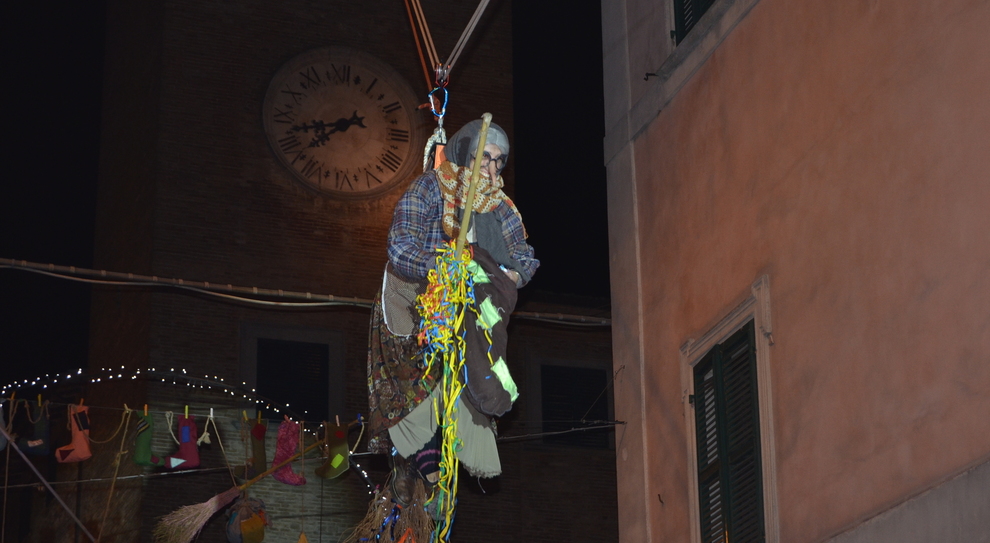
499 161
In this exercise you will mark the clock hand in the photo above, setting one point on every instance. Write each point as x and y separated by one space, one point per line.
322 129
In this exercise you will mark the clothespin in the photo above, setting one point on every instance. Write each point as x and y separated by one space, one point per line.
244 414
81 401
12 396
146 410
337 417
187 411
39 400
259 416
126 409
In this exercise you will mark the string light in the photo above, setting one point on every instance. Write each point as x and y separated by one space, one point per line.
175 376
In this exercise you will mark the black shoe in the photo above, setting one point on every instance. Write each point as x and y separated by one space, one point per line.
403 481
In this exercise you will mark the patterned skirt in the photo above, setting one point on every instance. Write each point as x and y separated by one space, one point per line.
396 379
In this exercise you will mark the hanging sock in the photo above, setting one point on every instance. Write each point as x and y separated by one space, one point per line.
427 459
142 443
286 446
259 457
188 454
337 452
40 442
78 450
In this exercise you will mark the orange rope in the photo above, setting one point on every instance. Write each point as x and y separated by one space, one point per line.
419 48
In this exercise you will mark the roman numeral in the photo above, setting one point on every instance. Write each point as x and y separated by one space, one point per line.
288 143
342 179
312 167
310 78
340 75
297 97
394 134
368 176
285 117
391 107
391 160
371 86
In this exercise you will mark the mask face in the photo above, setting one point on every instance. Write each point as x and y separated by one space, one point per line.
492 161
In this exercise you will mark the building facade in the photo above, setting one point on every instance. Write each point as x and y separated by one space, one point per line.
193 187
797 211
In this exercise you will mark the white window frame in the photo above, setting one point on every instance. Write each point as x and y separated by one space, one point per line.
755 307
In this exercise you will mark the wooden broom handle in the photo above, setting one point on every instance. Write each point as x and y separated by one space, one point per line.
486 120
284 463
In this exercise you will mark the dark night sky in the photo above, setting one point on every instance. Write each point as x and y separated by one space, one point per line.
53 59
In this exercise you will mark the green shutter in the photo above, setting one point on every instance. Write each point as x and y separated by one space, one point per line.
710 488
730 479
686 15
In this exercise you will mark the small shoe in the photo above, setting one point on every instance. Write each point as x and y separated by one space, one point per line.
403 481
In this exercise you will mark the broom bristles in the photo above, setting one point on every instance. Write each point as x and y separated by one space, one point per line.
185 523
414 517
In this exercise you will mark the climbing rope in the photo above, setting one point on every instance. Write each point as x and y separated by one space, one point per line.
433 151
459 46
419 20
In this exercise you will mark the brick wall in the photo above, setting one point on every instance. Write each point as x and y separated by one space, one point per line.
190 189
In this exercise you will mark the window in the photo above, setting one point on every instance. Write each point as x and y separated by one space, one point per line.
301 367
730 489
570 395
297 374
686 15
725 375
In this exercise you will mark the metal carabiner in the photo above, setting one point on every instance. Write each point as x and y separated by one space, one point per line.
443 108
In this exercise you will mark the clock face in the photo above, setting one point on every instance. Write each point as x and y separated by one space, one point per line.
343 122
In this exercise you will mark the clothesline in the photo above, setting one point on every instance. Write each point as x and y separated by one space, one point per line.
220 416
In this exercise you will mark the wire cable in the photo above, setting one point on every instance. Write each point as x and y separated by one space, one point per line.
312 301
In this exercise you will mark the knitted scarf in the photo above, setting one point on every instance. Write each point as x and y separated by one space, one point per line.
454 183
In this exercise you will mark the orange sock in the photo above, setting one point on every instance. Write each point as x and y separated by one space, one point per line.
78 450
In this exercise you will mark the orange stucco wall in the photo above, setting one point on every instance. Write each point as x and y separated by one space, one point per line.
842 148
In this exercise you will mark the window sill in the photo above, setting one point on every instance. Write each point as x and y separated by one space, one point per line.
687 58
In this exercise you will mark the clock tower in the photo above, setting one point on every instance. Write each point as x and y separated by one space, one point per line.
261 144
343 122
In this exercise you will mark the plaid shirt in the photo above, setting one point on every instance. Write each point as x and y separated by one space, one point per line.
417 231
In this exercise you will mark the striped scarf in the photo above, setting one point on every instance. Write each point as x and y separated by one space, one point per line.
454 183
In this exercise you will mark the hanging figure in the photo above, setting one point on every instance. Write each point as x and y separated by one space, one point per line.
402 394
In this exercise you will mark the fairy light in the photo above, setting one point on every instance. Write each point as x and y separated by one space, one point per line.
175 376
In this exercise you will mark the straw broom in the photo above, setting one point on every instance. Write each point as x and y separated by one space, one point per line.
185 523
